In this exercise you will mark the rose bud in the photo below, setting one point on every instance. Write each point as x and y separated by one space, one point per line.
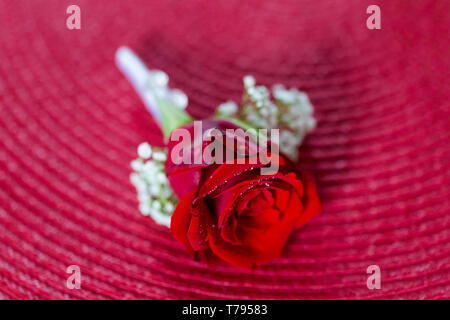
233 211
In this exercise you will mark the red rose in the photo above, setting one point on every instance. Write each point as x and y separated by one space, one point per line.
234 212
183 176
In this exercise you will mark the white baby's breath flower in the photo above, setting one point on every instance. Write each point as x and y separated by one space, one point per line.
227 109
144 208
150 168
156 205
157 84
169 207
291 112
137 165
161 177
134 178
179 98
249 81
159 156
144 150
158 78
154 194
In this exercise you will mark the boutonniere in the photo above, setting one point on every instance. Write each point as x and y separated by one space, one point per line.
226 186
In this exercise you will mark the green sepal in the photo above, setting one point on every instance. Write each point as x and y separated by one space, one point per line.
172 117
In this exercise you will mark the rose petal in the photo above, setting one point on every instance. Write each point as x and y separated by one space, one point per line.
282 198
273 237
181 218
238 256
198 233
261 244
184 177
184 181
310 200
264 218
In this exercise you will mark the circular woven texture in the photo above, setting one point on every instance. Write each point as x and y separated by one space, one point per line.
70 124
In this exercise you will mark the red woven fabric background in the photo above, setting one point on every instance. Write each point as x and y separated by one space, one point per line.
70 124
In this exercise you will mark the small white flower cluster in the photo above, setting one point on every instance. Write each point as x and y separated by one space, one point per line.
157 83
227 109
290 111
155 196
296 118
257 108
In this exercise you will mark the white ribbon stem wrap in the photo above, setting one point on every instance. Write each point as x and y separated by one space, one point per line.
138 75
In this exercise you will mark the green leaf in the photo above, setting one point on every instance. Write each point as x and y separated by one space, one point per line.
172 117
